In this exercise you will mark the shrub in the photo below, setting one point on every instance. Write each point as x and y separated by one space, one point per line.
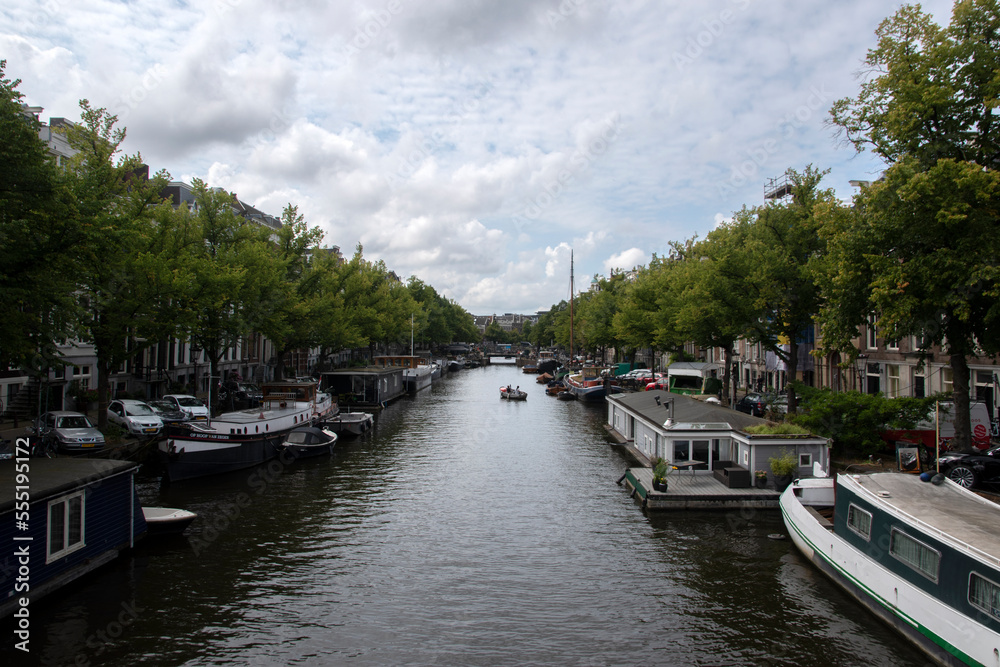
785 464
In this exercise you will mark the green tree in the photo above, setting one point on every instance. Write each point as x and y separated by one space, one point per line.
645 313
707 290
123 277
300 306
780 246
37 227
921 246
231 275
853 420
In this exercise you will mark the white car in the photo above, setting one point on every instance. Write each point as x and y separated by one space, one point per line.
189 405
135 416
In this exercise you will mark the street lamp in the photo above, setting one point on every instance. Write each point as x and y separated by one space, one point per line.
735 357
862 368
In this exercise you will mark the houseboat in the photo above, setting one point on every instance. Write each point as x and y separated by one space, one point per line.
924 556
368 387
72 517
245 438
418 372
590 384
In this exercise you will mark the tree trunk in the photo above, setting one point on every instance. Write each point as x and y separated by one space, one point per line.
960 396
103 382
279 366
726 376
793 371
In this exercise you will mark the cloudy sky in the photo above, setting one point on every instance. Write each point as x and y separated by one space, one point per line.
471 143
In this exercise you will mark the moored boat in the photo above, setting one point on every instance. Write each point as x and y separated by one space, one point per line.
417 371
245 438
349 423
922 556
166 520
590 384
307 441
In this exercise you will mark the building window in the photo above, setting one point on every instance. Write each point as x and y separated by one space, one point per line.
805 460
872 339
892 380
859 521
914 553
984 595
947 385
65 529
919 384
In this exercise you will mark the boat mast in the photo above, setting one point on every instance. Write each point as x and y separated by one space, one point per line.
571 307
411 334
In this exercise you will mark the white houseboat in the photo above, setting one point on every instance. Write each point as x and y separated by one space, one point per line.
245 438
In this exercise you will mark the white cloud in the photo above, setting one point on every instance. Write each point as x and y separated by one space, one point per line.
470 143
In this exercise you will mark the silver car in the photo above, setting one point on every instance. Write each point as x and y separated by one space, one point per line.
135 417
69 431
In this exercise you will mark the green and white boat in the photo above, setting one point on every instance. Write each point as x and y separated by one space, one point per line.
922 556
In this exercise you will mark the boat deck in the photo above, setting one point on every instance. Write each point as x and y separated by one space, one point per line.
948 511
695 490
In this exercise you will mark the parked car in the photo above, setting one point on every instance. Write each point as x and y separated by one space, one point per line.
135 417
972 469
753 404
637 374
168 412
660 381
69 431
235 395
195 409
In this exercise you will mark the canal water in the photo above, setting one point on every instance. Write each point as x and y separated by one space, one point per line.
464 530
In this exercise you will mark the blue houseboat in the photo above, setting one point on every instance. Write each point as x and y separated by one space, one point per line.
63 518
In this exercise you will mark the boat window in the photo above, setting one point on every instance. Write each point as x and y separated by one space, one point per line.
65 527
915 553
984 595
859 521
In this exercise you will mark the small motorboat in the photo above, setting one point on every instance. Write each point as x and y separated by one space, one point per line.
509 394
167 520
306 441
349 423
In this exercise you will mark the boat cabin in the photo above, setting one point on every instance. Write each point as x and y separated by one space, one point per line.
282 394
80 515
370 387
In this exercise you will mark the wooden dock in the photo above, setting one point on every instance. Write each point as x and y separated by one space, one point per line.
694 490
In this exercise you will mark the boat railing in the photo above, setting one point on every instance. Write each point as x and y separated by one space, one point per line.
201 427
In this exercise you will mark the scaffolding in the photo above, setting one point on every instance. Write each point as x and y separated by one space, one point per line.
777 188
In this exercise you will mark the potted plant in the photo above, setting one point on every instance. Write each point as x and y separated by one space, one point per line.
760 479
783 468
660 470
